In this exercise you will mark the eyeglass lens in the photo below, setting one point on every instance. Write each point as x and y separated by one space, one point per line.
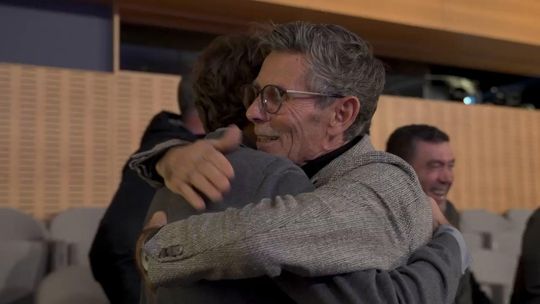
271 97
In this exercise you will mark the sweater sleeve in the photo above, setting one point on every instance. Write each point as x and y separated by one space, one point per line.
340 227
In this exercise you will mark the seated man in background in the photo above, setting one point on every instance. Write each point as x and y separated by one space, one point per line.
427 149
112 255
171 259
527 282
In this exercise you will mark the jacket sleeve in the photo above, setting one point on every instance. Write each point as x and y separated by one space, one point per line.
527 282
144 162
431 275
113 248
338 228
152 149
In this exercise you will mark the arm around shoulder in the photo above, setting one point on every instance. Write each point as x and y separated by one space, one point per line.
431 275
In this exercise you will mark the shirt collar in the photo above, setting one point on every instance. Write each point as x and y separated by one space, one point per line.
313 166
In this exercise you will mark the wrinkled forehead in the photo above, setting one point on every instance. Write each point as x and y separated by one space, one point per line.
286 70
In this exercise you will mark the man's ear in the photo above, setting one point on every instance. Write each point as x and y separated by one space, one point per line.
345 111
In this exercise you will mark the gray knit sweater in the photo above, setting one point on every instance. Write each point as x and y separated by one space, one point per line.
368 211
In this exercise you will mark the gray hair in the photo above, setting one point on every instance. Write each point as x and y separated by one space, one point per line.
339 62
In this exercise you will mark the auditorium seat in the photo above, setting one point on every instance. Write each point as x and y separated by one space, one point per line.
23 256
508 242
73 231
495 270
71 284
473 240
478 220
71 280
494 263
518 218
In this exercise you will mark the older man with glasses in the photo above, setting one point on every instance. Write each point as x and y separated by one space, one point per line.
316 93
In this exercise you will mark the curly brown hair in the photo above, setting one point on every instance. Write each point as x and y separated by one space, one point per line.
223 68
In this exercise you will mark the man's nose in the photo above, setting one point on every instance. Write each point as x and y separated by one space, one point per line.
446 175
255 113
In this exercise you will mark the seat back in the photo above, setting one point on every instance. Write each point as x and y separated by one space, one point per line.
508 242
23 255
518 218
16 225
73 232
474 240
71 284
483 221
495 271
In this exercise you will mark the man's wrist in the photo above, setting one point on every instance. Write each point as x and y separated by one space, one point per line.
466 258
159 166
144 163
141 256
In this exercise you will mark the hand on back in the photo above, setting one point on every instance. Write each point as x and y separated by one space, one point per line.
200 169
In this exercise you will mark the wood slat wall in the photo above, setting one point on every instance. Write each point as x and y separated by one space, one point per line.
497 148
65 135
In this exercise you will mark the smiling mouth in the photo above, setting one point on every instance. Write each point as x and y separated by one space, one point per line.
263 139
440 192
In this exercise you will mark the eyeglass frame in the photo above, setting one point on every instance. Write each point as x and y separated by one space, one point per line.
283 92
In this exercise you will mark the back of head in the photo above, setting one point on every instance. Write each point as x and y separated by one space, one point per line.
402 141
187 106
339 62
185 93
228 63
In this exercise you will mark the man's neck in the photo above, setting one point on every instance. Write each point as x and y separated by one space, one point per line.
443 205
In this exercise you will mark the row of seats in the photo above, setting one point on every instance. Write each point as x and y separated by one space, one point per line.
54 261
46 265
495 245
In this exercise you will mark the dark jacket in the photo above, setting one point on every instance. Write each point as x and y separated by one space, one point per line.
527 283
113 250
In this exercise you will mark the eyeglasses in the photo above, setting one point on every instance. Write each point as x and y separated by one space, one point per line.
272 96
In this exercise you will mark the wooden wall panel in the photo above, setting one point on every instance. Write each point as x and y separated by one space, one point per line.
65 134
496 148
